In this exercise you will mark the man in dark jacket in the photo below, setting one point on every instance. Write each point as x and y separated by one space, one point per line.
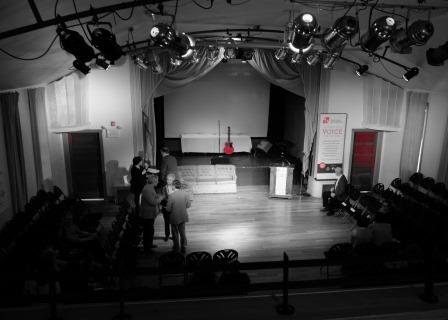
332 199
168 165
138 180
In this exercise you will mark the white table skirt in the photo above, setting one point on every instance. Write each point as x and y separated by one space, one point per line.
208 143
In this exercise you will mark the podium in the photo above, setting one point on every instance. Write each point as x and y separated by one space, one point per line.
280 182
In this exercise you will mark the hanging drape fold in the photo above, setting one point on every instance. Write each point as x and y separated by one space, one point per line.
14 149
442 175
382 104
413 132
146 85
301 79
67 104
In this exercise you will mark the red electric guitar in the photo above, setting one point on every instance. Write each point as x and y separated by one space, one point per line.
228 146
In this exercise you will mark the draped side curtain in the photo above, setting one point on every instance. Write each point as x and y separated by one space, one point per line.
382 104
146 85
413 132
39 132
443 167
302 80
67 104
14 149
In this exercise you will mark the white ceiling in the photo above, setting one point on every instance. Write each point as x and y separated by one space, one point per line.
268 14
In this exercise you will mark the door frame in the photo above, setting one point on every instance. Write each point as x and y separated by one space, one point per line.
379 148
68 169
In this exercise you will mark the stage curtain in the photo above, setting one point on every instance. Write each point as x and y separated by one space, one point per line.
300 79
443 167
413 132
146 85
39 133
382 104
67 104
14 149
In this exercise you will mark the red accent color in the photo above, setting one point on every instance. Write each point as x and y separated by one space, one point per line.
228 146
322 165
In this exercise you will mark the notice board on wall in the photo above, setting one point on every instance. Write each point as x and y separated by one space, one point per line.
330 144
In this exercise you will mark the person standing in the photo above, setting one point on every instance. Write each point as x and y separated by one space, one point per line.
150 202
168 165
332 199
166 191
138 180
177 205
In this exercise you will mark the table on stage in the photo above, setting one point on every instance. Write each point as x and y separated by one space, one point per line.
208 143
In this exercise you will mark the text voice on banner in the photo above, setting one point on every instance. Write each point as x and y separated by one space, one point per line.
330 144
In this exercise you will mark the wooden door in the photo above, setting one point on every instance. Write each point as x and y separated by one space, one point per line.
86 164
364 159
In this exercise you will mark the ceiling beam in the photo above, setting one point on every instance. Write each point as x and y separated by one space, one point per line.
74 16
35 11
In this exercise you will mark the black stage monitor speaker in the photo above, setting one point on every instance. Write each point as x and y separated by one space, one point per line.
220 160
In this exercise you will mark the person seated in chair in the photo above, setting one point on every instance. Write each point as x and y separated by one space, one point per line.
361 235
381 228
332 199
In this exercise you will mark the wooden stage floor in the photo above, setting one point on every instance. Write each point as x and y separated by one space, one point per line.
258 227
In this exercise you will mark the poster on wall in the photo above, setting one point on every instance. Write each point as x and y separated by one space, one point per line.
330 144
3 202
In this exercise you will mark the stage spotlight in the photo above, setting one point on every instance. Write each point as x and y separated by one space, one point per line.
213 53
343 29
74 43
162 35
411 73
313 59
296 58
105 41
379 32
305 26
194 57
141 61
184 45
437 56
101 62
280 54
175 61
361 70
418 33
229 53
81 66
330 60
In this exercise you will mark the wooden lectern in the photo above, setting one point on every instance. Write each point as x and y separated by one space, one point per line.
280 182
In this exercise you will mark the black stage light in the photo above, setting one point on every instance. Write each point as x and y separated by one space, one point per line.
418 33
411 73
183 45
141 61
379 32
105 41
101 62
361 70
437 56
305 26
162 35
343 29
81 66
313 59
213 53
296 58
330 60
74 43
280 54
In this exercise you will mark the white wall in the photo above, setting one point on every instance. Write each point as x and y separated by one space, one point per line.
5 190
110 100
235 94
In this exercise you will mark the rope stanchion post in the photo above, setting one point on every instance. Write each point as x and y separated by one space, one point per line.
285 308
